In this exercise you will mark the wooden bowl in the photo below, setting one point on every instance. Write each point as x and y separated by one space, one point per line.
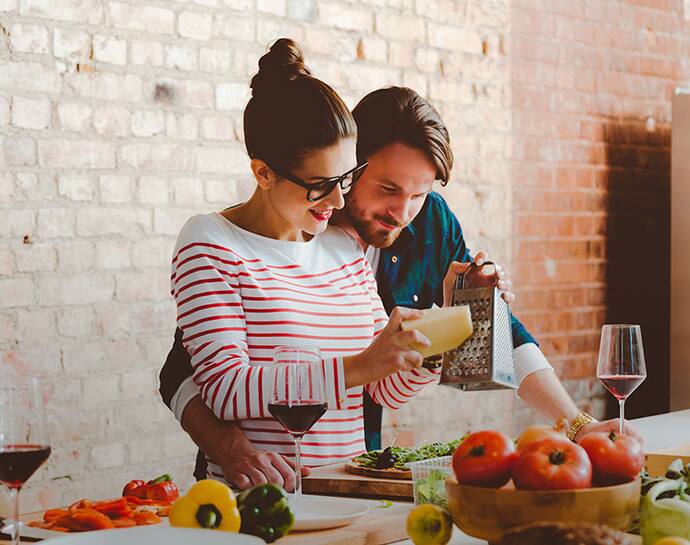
487 513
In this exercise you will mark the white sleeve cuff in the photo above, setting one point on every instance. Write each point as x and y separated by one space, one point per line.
187 391
528 358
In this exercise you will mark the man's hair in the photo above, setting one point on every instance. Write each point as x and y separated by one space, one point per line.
399 115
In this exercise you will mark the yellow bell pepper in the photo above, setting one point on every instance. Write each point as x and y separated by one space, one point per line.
208 504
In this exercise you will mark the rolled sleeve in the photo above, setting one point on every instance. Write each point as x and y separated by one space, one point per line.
528 358
185 393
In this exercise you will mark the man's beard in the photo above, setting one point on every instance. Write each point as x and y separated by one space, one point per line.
376 237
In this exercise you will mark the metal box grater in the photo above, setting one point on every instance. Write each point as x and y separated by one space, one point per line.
485 360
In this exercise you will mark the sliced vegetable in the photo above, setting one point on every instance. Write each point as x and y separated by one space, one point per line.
160 488
265 512
398 457
432 489
208 504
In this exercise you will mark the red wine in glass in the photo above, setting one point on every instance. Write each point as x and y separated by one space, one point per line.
297 417
621 386
19 462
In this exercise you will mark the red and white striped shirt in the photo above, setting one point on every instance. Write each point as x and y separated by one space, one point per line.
239 295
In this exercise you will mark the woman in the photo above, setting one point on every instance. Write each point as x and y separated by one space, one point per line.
271 272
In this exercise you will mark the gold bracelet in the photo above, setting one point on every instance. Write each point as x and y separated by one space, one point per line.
577 423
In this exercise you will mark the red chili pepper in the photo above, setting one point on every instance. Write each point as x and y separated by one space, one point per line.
113 508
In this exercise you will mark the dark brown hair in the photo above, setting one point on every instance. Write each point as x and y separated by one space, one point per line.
399 114
291 112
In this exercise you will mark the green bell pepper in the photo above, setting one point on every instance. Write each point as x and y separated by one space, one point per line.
265 512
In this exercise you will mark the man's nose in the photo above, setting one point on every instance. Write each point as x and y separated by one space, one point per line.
400 211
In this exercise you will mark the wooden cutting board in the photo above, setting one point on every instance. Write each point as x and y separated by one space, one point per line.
379 527
658 461
334 480
392 473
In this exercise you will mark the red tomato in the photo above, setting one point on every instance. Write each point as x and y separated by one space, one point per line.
535 433
484 458
615 458
552 464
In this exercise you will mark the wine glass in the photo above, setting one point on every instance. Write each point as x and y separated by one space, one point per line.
298 396
23 437
621 368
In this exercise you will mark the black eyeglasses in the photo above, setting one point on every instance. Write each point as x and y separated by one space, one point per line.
318 190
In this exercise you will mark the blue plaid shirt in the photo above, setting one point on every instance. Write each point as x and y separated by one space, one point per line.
411 272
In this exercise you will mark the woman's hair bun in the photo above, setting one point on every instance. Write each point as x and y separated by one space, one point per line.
284 62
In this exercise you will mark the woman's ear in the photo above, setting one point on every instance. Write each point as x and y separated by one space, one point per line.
264 175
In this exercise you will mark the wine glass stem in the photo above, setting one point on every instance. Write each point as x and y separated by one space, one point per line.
14 499
621 406
298 469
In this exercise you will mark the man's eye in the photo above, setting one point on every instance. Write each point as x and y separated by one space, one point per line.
388 189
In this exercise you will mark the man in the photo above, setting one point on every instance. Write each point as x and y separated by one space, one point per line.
416 248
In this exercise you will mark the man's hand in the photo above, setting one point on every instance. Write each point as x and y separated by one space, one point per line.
500 278
608 426
246 467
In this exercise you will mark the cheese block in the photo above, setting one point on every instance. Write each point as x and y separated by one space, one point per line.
446 328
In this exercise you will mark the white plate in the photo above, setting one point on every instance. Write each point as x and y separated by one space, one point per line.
156 535
319 513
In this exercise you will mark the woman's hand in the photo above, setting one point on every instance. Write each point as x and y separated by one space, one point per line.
391 351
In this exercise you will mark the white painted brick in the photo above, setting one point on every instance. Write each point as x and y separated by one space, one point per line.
19 223
345 17
55 223
401 54
304 10
181 57
29 76
29 38
8 5
155 317
149 18
29 113
169 221
95 222
454 38
221 191
113 254
153 190
218 128
373 49
110 455
110 49
99 390
36 326
16 292
39 256
83 358
236 26
106 86
115 188
145 449
68 43
181 126
75 289
147 53
400 27
158 156
232 96
240 5
139 383
142 286
5 110
35 187
148 122
195 25
76 256
7 266
197 94
215 60
268 30
188 190
74 116
427 59
80 11
274 7
76 187
61 153
75 321
6 187
153 252
225 160
114 319
112 120
8 327
20 151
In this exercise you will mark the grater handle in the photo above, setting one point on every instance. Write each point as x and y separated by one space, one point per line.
460 281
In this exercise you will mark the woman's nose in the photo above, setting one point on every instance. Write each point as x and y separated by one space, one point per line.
335 198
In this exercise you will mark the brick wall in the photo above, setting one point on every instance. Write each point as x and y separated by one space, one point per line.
120 119
592 86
